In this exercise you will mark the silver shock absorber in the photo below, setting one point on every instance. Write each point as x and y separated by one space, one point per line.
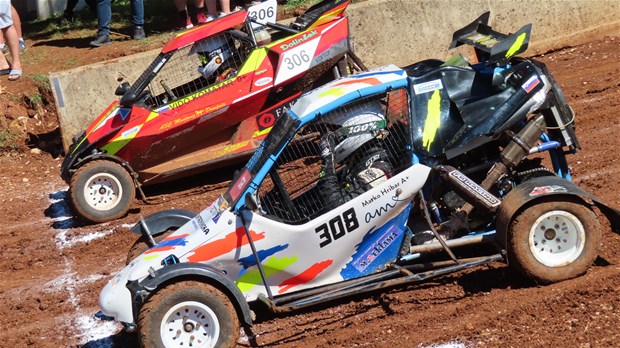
516 150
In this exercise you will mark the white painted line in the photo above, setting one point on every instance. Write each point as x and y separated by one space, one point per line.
92 331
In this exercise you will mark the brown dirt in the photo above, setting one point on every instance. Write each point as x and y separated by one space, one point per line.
52 267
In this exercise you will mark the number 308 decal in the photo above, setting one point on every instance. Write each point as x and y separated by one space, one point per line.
337 227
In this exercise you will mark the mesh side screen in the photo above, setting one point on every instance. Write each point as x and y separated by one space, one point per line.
371 143
180 76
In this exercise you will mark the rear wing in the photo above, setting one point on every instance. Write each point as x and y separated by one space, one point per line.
320 13
491 46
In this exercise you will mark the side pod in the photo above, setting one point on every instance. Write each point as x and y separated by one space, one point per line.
541 188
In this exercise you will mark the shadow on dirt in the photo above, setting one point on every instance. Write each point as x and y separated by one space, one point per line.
60 212
75 43
49 142
121 339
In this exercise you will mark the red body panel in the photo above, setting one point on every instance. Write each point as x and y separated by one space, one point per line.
225 120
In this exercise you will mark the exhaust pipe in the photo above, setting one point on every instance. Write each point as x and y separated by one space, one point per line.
518 148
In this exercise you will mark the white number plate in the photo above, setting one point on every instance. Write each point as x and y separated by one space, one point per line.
265 12
296 60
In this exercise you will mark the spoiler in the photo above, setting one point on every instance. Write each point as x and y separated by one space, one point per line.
491 46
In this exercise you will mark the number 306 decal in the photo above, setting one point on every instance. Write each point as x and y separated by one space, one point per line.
263 12
337 227
296 60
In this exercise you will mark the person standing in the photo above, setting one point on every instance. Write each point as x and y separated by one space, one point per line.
212 8
14 70
185 21
17 23
67 16
104 16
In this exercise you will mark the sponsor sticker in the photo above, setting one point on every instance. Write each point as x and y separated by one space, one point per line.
377 248
263 81
530 84
124 112
130 132
541 190
241 184
427 87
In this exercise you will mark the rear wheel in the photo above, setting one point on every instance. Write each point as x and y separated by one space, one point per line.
188 314
101 191
554 241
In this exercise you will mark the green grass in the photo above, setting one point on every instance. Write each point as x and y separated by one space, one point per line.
293 4
41 81
36 100
9 140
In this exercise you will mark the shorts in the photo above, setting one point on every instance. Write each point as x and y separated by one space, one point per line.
5 14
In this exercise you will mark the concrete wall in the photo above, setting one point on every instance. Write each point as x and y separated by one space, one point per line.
383 31
83 93
405 31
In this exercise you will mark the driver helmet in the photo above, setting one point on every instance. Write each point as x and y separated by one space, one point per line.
366 122
213 52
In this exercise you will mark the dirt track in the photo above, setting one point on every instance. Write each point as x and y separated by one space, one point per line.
52 268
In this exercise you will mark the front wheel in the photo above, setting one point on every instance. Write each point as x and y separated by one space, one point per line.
188 314
101 191
554 241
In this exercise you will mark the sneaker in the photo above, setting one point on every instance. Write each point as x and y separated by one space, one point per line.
138 33
5 49
22 45
66 19
101 40
202 19
188 23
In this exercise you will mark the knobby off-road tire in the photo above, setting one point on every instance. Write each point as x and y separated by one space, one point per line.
188 312
101 191
142 244
554 241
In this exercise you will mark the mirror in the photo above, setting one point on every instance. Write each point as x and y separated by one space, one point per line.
122 88
250 203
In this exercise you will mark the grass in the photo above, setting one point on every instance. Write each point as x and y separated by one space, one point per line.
293 4
36 100
9 140
41 81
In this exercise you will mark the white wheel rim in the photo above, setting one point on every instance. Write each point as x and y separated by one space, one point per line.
190 324
103 191
557 238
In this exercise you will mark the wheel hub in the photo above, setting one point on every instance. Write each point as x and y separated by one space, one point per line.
188 327
103 191
550 234
190 324
557 238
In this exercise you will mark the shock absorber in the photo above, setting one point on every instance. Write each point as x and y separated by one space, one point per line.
516 150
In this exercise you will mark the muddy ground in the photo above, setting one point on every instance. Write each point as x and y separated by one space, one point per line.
53 267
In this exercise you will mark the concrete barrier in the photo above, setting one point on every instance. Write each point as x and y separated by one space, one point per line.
83 93
383 31
405 31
